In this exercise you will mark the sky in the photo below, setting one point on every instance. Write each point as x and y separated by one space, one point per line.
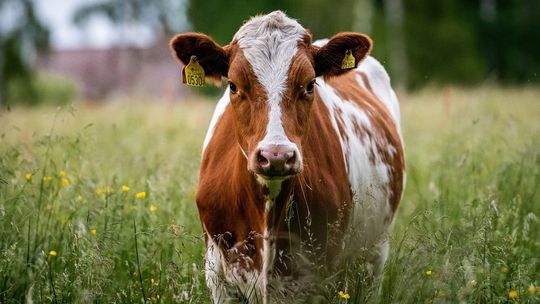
99 32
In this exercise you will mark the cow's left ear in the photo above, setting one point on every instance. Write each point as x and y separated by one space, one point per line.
329 58
212 57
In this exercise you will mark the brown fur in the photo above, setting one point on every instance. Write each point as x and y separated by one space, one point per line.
231 202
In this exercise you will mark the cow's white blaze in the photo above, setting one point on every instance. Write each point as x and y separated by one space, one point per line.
269 43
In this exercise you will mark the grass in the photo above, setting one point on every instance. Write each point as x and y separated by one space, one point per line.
467 230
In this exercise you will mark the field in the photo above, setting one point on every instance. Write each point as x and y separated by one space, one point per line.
97 203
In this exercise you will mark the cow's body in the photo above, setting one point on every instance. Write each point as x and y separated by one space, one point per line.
349 186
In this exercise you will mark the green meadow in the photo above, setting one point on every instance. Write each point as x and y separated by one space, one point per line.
97 203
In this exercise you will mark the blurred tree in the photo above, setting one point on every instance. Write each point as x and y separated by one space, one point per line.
419 41
323 18
441 43
509 39
22 35
397 51
165 16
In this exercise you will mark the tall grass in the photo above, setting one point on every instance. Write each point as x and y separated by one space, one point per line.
72 231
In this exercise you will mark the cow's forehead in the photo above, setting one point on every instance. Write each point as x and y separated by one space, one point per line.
269 43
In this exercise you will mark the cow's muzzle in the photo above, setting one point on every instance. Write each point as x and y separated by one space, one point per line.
276 161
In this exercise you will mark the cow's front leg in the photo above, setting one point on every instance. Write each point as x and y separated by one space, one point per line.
231 277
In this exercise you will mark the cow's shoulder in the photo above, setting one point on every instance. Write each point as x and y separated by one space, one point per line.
376 79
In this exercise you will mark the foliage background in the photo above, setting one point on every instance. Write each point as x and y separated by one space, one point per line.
421 42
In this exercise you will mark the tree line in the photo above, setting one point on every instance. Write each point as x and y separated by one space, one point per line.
421 42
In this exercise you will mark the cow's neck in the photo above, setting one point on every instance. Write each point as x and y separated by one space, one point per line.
272 198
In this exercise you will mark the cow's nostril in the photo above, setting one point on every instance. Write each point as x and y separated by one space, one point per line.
263 161
290 159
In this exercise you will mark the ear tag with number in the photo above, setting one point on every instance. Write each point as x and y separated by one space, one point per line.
348 61
193 73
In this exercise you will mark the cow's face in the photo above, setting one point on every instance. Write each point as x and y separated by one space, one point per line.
271 67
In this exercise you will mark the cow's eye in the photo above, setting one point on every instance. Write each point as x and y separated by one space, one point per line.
310 86
233 88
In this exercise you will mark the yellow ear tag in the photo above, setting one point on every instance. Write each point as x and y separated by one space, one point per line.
348 61
193 73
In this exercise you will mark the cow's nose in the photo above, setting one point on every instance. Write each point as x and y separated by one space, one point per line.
277 160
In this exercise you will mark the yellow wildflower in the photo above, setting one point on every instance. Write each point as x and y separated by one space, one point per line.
513 294
62 173
125 188
153 207
429 273
103 190
93 232
154 283
344 295
141 194
28 176
65 182
53 253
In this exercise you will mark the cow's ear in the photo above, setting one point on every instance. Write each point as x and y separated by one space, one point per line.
212 57
329 58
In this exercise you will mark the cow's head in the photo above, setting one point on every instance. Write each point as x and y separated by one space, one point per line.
271 66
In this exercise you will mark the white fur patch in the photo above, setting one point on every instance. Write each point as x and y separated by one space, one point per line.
218 112
368 173
380 83
268 255
269 43
228 281
214 271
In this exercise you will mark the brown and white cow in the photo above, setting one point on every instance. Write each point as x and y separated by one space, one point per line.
298 150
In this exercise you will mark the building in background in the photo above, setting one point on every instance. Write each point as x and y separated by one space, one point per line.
118 70
106 58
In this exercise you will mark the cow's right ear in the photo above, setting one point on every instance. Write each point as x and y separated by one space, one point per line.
212 57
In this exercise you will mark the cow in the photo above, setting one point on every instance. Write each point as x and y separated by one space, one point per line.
300 149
